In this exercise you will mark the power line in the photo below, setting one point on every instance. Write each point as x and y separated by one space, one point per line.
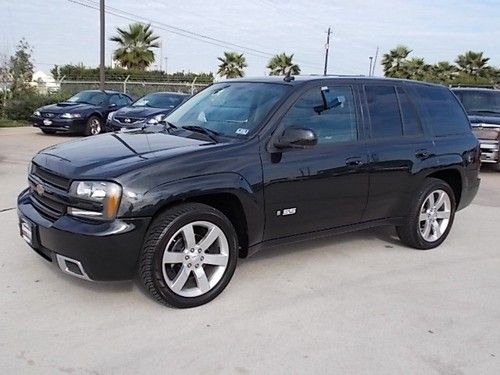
179 31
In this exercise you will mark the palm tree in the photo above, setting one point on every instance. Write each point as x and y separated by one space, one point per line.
414 68
474 64
232 65
135 44
392 61
281 64
443 72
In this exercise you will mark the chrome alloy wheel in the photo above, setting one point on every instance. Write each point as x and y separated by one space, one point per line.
95 126
195 259
435 215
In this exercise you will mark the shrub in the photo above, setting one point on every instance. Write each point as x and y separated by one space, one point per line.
22 108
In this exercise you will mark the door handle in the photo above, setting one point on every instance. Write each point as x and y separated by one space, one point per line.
423 154
353 162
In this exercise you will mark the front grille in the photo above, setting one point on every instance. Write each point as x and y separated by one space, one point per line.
486 133
128 120
46 206
50 177
48 114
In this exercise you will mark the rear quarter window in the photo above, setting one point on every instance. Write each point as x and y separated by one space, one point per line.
441 110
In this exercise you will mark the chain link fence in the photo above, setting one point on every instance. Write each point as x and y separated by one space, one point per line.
135 89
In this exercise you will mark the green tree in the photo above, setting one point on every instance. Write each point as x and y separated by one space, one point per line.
443 71
281 64
21 69
232 65
135 46
392 61
414 68
474 64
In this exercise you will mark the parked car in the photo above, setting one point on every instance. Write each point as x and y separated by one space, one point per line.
483 107
247 164
148 110
83 113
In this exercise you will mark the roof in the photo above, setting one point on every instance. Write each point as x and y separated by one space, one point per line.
474 89
301 79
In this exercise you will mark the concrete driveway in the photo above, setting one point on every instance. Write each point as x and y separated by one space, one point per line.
354 304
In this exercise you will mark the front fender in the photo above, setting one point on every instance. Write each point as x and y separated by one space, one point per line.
161 196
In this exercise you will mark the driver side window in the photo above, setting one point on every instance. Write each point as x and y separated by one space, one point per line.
334 123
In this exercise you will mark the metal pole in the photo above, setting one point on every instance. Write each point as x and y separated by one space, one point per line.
327 47
375 62
102 62
370 69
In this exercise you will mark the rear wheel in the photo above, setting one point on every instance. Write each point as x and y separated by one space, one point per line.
94 126
431 216
189 255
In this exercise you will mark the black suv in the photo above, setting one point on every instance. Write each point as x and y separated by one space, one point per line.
247 164
483 107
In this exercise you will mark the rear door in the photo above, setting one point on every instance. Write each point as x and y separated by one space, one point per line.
398 146
324 186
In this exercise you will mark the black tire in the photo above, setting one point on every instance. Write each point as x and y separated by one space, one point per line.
90 126
409 232
162 229
45 131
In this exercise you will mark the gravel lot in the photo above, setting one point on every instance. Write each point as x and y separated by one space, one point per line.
358 303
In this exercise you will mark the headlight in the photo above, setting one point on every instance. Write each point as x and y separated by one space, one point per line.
156 119
98 199
37 113
110 115
71 115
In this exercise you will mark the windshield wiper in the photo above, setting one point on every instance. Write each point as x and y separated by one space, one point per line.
212 134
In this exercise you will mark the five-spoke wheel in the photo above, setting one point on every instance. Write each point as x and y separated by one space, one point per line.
189 255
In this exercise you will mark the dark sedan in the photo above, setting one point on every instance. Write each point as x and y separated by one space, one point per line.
148 110
83 113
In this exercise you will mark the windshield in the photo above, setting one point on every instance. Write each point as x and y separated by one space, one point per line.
89 97
487 102
231 109
159 100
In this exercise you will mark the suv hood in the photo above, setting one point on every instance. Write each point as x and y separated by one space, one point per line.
140 112
476 120
108 155
65 107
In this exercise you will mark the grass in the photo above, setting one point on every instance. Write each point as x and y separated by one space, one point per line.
6 123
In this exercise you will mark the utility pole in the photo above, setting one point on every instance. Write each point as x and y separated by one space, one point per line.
375 62
327 47
102 52
370 69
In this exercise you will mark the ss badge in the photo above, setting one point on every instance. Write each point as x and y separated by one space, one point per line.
287 211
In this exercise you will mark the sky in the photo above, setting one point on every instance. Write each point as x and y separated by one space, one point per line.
63 32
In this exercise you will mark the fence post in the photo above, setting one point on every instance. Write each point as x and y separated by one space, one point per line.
125 84
192 85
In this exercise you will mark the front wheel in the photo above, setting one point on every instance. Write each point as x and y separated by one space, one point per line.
93 126
431 216
189 255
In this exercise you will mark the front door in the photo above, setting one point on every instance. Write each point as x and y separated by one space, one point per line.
326 185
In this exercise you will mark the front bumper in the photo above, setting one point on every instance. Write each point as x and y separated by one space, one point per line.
72 125
489 151
113 125
103 251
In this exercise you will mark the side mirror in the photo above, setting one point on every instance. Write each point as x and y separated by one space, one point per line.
296 138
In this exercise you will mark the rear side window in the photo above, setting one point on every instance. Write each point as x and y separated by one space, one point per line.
384 111
411 121
441 110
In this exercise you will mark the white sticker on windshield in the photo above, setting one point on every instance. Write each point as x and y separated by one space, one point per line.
242 131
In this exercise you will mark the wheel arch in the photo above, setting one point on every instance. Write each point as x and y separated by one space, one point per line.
226 192
454 178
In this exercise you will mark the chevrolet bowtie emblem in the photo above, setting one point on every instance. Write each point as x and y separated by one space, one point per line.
39 189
